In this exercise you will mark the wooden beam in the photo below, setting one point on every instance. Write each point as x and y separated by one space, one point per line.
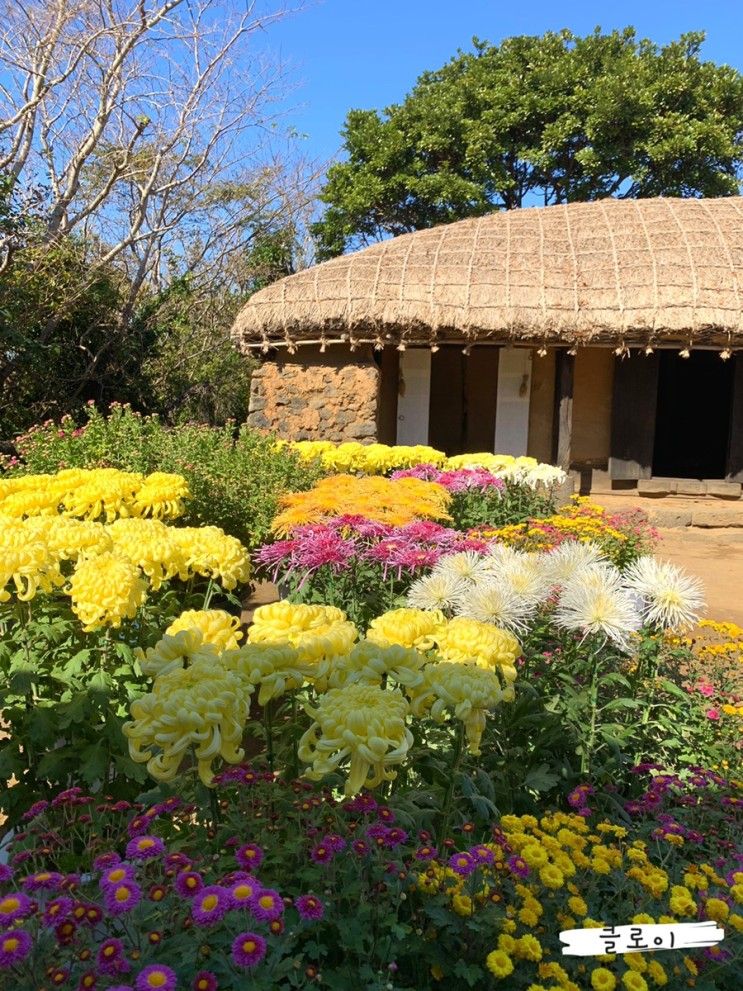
562 432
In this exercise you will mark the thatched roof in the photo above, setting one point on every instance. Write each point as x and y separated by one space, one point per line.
656 271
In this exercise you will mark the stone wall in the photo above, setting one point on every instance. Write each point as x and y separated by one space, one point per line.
313 396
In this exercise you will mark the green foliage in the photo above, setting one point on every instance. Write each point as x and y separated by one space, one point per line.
235 479
499 507
552 118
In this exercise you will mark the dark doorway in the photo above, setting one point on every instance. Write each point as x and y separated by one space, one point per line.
692 426
463 387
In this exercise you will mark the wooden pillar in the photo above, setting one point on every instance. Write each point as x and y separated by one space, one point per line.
734 471
562 424
633 410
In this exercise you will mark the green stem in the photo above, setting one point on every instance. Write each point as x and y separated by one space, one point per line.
451 784
208 594
585 759
269 734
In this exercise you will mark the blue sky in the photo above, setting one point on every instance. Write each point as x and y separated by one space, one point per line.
368 53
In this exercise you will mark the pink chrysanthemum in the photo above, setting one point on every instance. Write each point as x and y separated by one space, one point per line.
56 910
243 890
105 860
248 949
249 855
188 884
110 957
205 981
122 898
13 907
117 874
309 907
43 881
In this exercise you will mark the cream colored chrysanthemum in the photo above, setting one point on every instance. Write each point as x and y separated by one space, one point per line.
595 603
466 690
371 664
569 559
469 565
526 577
416 628
106 590
273 668
174 650
361 723
316 631
437 591
216 626
671 599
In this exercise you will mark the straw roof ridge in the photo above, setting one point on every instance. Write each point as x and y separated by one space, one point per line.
663 270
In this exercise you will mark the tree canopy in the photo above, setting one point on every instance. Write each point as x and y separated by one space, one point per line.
537 120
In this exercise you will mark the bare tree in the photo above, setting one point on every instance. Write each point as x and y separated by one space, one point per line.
151 126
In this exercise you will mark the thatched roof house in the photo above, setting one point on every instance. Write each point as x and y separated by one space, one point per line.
590 333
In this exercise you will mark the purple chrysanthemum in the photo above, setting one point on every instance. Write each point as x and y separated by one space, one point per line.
482 854
210 905
360 847
156 977
462 863
321 853
248 949
188 883
518 867
110 957
309 907
122 897
56 910
43 881
249 855
426 853
205 981
145 847
14 947
121 987
36 809
119 873
243 891
13 907
105 860
6 874
266 905
335 842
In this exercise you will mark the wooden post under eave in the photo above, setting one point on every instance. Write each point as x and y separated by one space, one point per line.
734 471
562 433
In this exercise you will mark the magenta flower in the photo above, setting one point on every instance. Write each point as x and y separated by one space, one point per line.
361 804
156 977
6 874
105 860
713 714
210 905
145 847
335 842
15 946
188 883
36 809
205 981
309 907
56 910
249 855
482 854
243 891
13 907
267 905
518 867
321 853
360 847
426 853
43 881
248 949
110 957
122 897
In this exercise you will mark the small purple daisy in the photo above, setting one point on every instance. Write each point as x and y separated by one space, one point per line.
119 873
43 881
462 863
6 874
248 949
309 907
426 853
210 905
360 847
518 867
482 854
156 977
56 910
267 905
321 853
105 860
14 947
110 957
249 855
122 898
36 809
145 848
243 891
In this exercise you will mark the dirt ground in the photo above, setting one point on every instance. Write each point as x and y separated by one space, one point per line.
715 556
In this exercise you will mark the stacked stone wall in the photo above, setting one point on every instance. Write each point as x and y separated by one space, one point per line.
310 398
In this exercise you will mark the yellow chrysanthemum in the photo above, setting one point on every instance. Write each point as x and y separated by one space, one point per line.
106 590
318 632
175 650
499 964
602 979
216 626
25 560
416 628
202 707
470 640
210 552
361 722
161 495
372 664
151 545
274 668
466 690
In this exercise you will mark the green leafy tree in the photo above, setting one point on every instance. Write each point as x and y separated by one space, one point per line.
546 120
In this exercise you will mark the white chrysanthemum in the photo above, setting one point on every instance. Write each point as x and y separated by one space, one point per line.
465 564
496 556
569 559
670 598
438 590
527 578
496 602
596 603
